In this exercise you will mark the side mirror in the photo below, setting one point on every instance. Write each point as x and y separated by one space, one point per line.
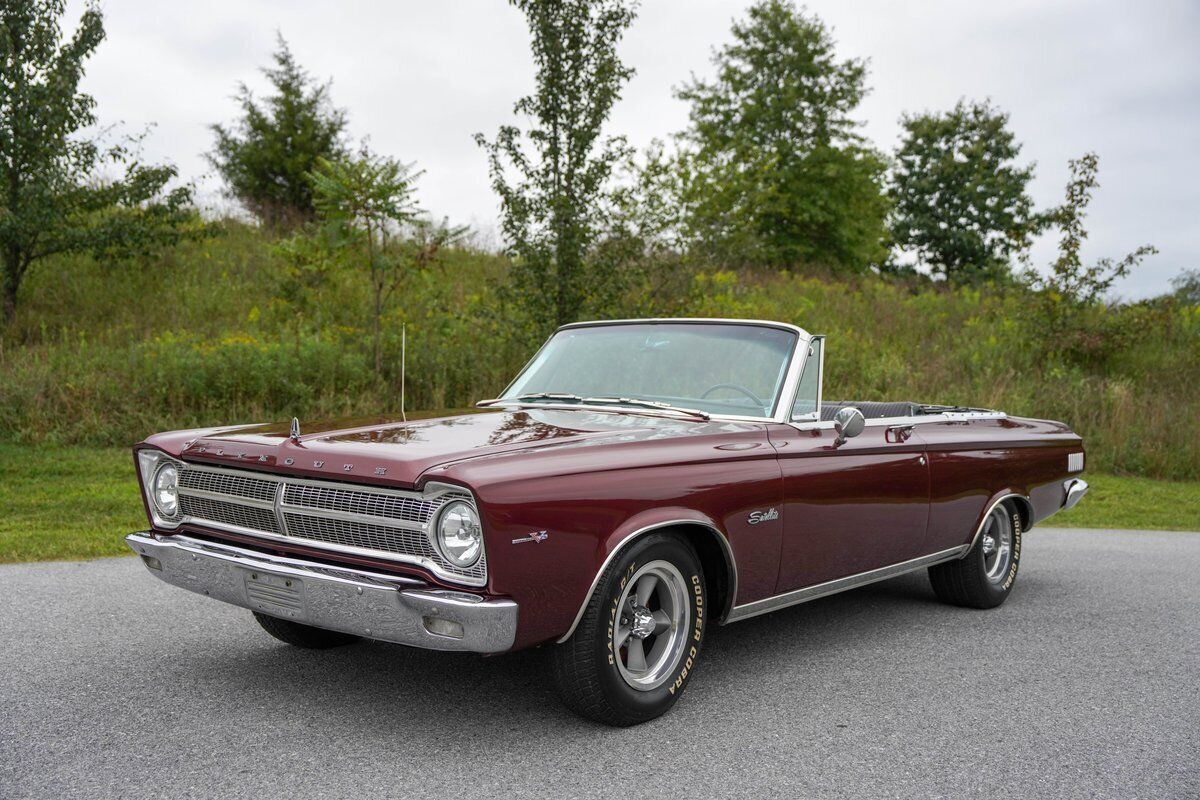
848 422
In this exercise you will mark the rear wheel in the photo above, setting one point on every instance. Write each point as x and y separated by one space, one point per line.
305 636
983 577
640 636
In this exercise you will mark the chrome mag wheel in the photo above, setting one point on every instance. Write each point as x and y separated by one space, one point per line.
984 576
997 544
652 624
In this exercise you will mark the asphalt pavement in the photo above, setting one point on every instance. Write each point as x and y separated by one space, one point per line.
1086 683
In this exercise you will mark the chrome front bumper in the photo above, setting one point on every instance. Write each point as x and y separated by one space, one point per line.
1075 489
390 608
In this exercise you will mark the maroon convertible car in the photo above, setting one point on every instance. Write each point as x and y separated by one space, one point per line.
639 481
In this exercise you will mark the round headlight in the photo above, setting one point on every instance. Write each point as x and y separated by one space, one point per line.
166 490
459 534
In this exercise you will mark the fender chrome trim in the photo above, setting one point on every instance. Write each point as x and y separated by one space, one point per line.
730 564
837 585
992 507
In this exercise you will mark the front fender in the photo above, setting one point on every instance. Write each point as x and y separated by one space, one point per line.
550 566
553 519
646 523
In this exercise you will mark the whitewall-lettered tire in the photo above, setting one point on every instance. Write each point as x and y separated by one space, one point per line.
984 577
640 637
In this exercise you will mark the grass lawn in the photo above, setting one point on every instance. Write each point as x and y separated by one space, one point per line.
74 503
1117 502
66 502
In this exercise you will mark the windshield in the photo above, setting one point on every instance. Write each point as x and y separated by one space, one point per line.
718 368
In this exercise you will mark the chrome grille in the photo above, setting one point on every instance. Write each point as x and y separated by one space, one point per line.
370 537
381 522
351 501
225 483
234 514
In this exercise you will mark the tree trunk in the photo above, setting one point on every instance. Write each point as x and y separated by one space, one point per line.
378 326
12 281
377 285
10 304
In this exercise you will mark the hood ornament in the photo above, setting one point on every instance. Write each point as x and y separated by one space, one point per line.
295 434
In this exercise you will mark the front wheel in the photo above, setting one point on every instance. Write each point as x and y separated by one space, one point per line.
640 636
983 577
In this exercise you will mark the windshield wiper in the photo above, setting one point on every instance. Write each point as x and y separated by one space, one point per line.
636 401
561 397
567 397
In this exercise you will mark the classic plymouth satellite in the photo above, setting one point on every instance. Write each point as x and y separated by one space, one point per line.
637 482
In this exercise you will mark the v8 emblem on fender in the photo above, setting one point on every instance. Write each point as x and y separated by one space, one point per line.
536 537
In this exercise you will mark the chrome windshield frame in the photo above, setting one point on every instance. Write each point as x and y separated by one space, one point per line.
785 397
814 416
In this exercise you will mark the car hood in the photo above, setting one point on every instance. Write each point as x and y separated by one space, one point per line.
389 451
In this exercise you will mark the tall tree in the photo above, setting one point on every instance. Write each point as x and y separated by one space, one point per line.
374 220
1070 281
960 199
550 193
266 156
780 175
57 193
1186 286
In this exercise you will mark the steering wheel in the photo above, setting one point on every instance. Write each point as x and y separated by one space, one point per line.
758 402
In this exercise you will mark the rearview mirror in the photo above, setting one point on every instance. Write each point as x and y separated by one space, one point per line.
848 422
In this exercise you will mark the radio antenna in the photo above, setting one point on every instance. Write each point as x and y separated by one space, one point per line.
403 359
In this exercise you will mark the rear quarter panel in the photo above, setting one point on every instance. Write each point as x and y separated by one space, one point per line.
974 462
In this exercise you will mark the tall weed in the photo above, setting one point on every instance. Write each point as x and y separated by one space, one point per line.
212 334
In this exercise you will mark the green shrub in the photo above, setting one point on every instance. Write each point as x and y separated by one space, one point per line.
210 335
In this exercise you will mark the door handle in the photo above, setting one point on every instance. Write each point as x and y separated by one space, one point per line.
899 433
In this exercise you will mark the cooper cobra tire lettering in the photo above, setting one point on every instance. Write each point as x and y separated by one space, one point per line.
964 581
697 634
588 666
1016 557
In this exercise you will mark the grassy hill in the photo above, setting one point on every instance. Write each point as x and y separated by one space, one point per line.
225 330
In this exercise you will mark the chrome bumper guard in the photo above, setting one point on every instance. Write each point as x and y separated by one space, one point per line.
389 608
1075 489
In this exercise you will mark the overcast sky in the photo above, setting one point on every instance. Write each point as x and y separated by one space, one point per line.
419 78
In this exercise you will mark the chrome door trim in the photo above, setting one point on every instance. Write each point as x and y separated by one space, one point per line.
896 422
816 591
730 563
